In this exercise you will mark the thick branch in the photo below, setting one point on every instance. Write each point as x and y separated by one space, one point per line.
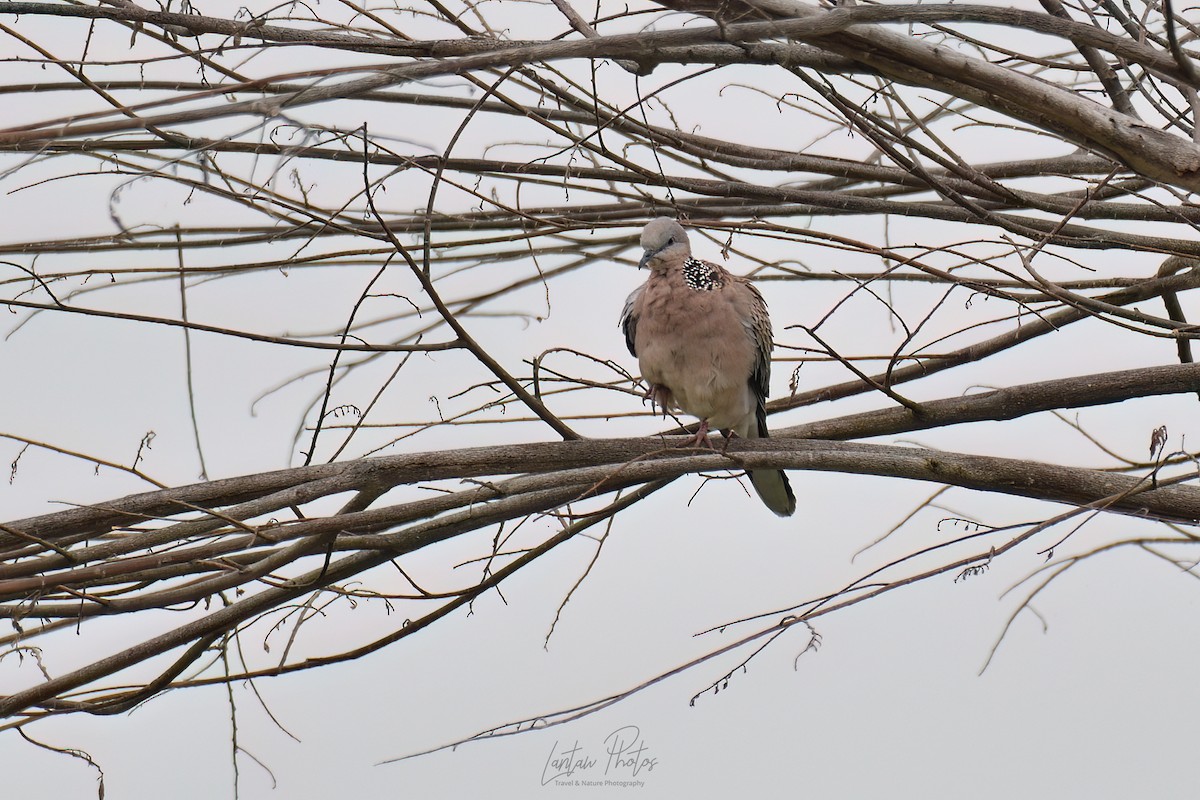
1007 403
1150 151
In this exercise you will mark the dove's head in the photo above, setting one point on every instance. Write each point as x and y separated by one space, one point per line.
665 242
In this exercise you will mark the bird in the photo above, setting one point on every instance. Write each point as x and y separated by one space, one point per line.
702 338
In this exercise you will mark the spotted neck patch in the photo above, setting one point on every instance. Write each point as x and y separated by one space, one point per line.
700 276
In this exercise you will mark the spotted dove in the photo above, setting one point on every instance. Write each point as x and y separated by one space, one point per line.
702 339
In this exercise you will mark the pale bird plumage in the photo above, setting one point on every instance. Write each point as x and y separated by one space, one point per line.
702 338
